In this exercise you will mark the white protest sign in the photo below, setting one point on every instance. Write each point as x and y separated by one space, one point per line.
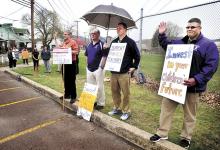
176 69
62 56
87 100
115 57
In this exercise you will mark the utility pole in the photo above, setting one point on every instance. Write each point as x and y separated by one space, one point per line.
77 28
140 32
32 24
140 38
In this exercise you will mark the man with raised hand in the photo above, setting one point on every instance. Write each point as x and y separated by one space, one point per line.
204 64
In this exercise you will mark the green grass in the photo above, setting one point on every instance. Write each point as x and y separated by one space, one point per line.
145 104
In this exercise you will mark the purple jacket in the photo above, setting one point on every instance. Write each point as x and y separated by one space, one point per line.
204 62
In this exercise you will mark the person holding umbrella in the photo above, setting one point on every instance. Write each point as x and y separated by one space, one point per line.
120 81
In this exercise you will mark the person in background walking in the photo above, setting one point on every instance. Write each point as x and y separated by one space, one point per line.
35 57
25 55
45 55
96 57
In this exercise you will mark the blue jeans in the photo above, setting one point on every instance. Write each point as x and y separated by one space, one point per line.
47 65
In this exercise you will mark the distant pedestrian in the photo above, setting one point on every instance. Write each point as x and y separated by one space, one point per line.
35 57
46 55
25 55
10 57
15 54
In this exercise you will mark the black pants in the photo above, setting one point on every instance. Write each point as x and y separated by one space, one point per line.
12 63
69 80
25 60
36 64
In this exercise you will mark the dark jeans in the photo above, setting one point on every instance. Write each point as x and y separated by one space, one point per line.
36 64
12 63
69 80
25 60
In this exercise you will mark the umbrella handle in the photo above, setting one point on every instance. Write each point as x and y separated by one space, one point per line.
106 36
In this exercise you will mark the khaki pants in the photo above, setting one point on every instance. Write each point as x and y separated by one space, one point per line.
167 109
121 82
97 78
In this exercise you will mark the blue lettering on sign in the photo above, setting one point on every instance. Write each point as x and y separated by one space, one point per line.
185 54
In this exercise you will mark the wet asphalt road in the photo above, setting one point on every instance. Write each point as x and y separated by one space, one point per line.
29 120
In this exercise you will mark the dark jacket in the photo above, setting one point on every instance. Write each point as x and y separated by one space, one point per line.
131 57
45 55
204 61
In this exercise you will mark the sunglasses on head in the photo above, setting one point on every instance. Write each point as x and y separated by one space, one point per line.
192 27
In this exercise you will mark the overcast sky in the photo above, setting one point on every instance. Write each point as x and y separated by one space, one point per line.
71 10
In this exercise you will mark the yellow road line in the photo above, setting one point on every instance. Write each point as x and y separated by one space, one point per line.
6 81
9 89
21 101
16 135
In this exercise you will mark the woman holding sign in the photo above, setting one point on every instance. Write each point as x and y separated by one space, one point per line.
204 64
69 70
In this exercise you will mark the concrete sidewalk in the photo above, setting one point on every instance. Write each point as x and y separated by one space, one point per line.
120 128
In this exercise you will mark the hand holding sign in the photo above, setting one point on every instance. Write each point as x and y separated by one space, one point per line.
190 82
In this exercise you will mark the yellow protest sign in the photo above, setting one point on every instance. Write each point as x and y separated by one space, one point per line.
87 100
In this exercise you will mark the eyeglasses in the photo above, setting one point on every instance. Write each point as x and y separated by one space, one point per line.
192 27
65 34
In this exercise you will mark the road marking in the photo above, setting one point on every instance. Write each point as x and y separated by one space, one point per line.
21 101
6 81
9 89
16 135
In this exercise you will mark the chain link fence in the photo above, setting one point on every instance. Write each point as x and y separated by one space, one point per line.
209 13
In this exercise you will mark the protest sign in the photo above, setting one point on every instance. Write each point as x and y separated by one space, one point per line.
87 100
62 56
176 69
115 57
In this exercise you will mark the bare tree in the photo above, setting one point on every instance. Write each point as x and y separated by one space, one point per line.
172 32
46 23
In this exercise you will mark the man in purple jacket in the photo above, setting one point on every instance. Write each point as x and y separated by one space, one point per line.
204 64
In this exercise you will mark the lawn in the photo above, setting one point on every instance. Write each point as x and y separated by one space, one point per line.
145 104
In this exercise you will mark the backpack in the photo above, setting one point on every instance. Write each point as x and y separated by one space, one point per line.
141 78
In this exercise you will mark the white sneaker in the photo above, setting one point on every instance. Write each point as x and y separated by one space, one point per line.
125 116
67 99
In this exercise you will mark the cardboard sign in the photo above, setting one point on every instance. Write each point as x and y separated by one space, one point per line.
87 100
115 57
62 56
176 69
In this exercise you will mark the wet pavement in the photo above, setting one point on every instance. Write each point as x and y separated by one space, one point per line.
29 120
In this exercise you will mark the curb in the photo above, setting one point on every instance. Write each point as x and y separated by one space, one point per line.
130 133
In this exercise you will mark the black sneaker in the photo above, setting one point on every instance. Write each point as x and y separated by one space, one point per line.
184 143
72 101
156 138
97 107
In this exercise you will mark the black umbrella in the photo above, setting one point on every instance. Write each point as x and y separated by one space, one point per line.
108 16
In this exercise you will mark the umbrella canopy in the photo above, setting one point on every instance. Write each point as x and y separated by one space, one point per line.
108 16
